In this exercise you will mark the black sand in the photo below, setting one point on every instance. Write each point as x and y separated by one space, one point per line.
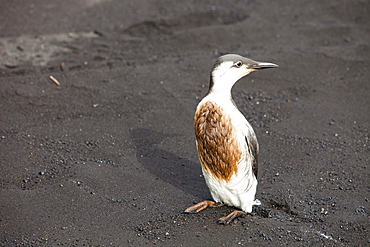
108 157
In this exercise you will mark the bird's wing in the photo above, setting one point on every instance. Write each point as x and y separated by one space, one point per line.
252 145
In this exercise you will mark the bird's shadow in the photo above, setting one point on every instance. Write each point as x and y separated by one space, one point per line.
183 173
167 166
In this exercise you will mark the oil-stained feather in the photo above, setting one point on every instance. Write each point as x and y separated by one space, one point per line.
218 150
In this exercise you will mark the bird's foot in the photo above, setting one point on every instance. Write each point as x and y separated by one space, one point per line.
202 205
229 218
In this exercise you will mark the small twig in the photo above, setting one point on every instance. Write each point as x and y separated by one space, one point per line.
54 80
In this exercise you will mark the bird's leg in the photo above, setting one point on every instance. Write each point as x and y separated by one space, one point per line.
227 219
202 205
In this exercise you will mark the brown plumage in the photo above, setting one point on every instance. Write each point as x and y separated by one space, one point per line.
217 147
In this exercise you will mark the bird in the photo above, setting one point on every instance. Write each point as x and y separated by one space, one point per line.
226 142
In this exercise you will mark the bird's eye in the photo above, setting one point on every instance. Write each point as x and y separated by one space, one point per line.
238 64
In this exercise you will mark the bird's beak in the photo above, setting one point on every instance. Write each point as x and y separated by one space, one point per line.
264 65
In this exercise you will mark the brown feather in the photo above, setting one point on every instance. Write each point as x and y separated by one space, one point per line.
218 150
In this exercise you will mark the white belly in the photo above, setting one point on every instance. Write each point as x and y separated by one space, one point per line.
238 192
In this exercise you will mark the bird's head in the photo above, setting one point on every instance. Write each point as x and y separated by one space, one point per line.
228 69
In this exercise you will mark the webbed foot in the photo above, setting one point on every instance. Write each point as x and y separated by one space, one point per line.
202 205
229 218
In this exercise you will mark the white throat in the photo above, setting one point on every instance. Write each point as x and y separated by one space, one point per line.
224 78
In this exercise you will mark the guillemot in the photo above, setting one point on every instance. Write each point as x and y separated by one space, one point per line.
226 143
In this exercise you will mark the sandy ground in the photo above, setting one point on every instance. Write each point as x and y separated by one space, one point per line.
108 157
